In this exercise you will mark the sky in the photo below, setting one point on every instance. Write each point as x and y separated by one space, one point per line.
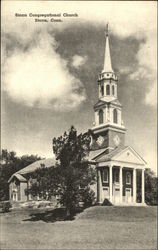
50 71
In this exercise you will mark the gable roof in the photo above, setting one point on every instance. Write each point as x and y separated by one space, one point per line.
93 154
19 177
32 167
122 154
109 155
37 164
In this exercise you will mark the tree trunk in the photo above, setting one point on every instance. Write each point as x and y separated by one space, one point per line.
68 212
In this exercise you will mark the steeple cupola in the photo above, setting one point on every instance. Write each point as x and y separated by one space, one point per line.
107 78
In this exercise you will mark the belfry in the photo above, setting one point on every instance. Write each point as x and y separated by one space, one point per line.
117 165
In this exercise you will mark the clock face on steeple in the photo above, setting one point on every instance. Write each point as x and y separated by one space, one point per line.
116 140
100 140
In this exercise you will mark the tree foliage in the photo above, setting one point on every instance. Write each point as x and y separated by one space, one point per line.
151 187
72 176
10 163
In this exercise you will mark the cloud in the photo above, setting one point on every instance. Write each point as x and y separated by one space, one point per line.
39 76
147 68
78 61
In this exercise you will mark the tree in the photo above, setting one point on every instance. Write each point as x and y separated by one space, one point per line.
151 187
72 176
10 163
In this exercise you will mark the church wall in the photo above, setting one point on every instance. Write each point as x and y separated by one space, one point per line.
23 186
112 134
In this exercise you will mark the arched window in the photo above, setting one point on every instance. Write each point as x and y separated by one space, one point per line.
115 116
113 90
108 89
102 90
128 178
100 116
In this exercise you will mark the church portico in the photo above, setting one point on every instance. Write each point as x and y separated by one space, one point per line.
118 184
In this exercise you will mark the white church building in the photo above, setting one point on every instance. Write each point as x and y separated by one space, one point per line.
117 165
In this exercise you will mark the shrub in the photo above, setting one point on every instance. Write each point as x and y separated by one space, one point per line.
106 202
5 205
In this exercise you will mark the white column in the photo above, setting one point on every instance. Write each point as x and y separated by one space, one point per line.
143 184
120 184
110 184
134 185
99 189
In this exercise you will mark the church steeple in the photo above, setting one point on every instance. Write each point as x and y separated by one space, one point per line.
108 130
107 58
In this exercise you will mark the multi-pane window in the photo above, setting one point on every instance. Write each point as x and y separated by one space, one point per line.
128 178
105 175
116 175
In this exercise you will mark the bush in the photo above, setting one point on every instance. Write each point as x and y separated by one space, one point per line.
5 205
106 202
88 197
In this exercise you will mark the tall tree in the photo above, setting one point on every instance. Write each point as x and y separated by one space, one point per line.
71 178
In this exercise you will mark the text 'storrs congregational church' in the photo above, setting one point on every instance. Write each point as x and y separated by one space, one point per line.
117 165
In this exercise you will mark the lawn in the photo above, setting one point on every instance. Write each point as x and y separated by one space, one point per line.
96 228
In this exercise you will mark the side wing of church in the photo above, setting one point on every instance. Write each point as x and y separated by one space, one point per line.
117 165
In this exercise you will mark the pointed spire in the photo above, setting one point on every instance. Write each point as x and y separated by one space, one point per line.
107 59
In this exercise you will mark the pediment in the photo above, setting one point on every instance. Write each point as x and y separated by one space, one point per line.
129 155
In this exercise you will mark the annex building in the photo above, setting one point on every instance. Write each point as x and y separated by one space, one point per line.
117 164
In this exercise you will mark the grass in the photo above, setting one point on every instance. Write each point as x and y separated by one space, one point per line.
95 228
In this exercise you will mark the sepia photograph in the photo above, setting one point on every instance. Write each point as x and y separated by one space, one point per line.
78 162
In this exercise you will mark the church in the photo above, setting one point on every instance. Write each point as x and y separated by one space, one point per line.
117 165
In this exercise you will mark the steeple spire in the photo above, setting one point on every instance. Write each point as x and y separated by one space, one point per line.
107 58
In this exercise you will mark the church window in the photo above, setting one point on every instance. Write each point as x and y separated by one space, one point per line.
113 90
128 178
100 116
116 175
115 116
108 89
105 175
102 90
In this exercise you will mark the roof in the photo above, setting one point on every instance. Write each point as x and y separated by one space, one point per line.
123 154
37 164
102 102
111 154
32 167
20 177
93 154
